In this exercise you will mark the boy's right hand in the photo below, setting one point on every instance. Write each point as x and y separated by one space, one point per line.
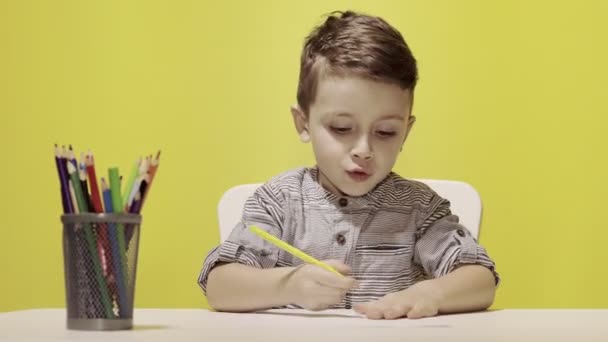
314 288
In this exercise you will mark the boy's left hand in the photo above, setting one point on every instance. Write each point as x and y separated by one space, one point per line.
418 301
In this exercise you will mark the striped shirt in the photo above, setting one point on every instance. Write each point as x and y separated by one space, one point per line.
398 234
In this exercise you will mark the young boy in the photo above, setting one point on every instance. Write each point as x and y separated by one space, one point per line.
402 252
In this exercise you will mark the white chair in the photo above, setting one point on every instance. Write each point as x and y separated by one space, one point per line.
464 199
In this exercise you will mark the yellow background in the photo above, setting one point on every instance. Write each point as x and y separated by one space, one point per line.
512 98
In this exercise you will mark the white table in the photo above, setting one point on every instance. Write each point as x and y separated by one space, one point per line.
333 325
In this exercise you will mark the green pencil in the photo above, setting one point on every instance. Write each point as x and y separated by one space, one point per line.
114 177
127 190
91 244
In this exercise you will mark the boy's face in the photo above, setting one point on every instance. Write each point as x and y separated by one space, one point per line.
357 128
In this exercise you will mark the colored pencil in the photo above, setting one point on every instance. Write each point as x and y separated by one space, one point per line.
72 157
92 246
98 228
66 199
102 233
129 185
117 207
291 249
82 175
73 197
95 198
113 234
154 163
142 173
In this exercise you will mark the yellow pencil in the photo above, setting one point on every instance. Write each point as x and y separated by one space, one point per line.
291 249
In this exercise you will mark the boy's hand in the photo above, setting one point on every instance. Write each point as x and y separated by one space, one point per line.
314 288
420 300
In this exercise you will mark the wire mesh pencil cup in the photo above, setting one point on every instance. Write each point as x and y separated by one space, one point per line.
100 264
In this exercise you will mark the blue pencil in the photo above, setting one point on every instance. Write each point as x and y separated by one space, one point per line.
120 282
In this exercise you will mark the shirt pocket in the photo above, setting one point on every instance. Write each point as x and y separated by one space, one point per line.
385 254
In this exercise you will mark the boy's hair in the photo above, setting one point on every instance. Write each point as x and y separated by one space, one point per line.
350 43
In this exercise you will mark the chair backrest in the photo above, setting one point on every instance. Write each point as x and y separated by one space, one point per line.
464 199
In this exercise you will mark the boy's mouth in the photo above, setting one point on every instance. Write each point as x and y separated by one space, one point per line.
358 175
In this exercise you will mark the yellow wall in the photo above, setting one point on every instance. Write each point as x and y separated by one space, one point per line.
512 99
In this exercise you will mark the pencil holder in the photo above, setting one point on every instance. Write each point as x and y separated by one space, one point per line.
100 264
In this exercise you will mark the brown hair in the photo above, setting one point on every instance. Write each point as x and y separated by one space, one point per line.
350 43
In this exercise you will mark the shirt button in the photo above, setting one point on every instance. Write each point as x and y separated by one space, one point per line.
340 239
343 202
460 232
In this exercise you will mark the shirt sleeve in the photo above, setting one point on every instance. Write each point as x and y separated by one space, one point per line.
262 209
443 244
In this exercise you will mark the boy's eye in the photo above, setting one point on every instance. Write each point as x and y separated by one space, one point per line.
340 130
386 134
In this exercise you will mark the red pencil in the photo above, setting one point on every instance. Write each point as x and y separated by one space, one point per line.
103 243
95 197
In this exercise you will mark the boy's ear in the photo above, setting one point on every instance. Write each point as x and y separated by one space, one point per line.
410 123
300 122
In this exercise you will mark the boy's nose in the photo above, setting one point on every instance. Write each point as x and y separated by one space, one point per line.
363 155
362 149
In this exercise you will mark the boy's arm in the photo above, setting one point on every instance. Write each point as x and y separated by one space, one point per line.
463 276
240 288
467 288
236 287
241 273
446 249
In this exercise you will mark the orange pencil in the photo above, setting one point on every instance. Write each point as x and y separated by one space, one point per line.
152 172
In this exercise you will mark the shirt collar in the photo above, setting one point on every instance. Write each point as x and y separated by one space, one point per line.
328 197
